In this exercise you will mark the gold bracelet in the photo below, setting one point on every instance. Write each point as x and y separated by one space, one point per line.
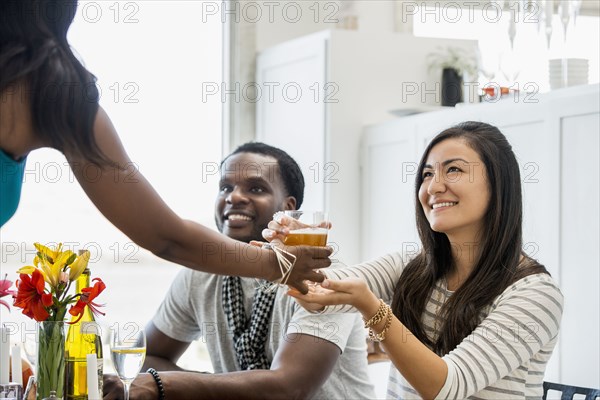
380 337
378 317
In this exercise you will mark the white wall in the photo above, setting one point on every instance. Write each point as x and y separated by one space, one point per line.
373 16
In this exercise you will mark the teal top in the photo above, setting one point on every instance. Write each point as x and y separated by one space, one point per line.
11 181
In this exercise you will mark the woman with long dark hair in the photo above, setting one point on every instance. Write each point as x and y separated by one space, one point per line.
48 99
471 314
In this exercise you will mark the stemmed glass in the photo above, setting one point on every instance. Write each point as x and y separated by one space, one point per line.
128 351
29 344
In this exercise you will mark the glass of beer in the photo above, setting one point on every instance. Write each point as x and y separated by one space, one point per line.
310 229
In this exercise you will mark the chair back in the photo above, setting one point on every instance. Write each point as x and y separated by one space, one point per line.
569 391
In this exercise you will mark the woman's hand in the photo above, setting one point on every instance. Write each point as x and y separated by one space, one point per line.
280 226
307 305
353 291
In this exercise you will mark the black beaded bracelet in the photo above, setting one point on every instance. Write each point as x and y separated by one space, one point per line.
161 388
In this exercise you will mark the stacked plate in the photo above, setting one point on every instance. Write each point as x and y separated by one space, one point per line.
577 72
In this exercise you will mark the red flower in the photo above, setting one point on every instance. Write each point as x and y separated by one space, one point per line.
85 299
31 297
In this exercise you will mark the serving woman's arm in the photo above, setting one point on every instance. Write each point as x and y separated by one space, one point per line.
128 200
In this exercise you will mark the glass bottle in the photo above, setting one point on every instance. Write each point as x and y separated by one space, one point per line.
83 338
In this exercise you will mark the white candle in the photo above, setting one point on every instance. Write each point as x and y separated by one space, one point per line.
92 377
17 370
4 356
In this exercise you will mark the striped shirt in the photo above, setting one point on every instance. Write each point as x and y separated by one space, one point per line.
503 358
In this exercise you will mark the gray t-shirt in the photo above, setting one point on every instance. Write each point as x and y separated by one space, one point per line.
193 309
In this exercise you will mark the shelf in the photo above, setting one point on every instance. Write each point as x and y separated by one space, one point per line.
403 112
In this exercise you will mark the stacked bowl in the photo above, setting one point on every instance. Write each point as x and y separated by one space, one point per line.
576 72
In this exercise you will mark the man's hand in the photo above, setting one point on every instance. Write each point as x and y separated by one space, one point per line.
309 259
143 388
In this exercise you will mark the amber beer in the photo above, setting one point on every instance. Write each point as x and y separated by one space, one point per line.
307 237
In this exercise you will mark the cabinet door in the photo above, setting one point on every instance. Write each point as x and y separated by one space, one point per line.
580 254
389 171
288 116
534 145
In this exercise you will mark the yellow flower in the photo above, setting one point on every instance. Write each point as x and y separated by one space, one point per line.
51 262
47 252
28 269
79 265
47 270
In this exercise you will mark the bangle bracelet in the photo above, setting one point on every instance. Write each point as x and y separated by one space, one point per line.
379 315
380 337
161 388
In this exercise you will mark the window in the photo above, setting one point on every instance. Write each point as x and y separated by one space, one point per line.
527 62
151 59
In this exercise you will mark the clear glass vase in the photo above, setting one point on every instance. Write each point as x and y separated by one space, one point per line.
51 359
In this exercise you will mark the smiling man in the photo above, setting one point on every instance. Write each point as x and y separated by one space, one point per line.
257 180
262 345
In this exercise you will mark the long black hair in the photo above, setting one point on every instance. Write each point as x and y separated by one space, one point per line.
497 262
60 92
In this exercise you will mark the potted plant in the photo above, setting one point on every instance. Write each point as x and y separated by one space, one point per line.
454 63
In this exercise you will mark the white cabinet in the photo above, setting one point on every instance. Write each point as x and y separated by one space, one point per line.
317 93
556 139
289 117
579 243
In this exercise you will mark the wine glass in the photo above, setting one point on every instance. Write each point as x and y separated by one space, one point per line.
29 343
128 351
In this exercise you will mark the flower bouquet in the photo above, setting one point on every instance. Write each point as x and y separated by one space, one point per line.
43 294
